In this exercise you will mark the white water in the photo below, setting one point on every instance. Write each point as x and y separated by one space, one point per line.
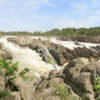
29 58
67 44
26 57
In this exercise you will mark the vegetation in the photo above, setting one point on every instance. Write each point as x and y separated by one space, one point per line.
65 32
4 93
22 74
51 61
63 93
8 69
97 87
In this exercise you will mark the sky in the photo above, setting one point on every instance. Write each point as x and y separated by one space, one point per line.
43 15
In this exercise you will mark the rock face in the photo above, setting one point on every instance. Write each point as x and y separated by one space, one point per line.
91 39
25 88
14 96
47 86
59 53
4 53
2 82
80 73
83 66
21 40
45 54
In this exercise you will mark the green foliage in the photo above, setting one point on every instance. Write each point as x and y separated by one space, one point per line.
61 91
9 69
97 87
72 32
4 93
50 61
65 32
22 74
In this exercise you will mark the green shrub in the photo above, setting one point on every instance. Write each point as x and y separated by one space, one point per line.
61 91
9 69
22 74
4 93
97 87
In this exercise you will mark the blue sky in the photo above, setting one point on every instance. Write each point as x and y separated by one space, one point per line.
42 15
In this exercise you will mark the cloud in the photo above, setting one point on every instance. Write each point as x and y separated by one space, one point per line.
31 15
79 7
25 4
90 21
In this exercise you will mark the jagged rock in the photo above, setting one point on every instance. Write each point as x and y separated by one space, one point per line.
61 54
79 73
98 67
8 54
2 83
21 40
47 86
45 54
4 53
13 96
81 38
25 88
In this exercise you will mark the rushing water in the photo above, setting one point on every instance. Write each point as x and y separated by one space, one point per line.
27 57
66 44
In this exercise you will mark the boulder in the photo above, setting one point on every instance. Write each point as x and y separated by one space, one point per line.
2 83
20 40
79 73
61 54
25 88
4 53
45 88
13 96
81 38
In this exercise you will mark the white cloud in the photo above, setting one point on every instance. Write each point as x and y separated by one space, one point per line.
86 22
80 8
33 4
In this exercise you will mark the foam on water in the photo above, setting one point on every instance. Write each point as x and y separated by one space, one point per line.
26 57
67 44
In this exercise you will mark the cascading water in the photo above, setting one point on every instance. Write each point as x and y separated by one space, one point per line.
67 44
26 57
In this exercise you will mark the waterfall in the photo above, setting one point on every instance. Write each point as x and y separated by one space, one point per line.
26 57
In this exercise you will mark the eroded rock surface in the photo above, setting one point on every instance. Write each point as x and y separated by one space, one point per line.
80 73
59 53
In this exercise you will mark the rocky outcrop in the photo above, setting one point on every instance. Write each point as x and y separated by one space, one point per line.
59 53
21 40
25 88
13 96
2 83
80 73
82 38
4 53
83 66
47 86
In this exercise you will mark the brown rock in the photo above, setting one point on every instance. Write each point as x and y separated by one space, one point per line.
79 73
13 96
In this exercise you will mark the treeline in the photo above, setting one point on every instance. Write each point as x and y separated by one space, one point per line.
65 32
74 31
16 33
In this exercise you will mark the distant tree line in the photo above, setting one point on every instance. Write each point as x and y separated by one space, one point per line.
65 32
74 31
